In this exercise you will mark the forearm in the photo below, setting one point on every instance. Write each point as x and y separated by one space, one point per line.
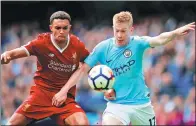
74 79
17 53
7 56
163 38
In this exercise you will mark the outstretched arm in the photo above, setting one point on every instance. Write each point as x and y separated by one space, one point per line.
61 96
7 56
167 37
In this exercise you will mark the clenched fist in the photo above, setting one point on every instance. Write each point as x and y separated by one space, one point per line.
5 58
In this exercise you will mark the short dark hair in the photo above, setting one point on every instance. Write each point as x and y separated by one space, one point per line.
60 15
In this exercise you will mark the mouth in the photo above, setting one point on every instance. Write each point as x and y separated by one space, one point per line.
120 41
61 36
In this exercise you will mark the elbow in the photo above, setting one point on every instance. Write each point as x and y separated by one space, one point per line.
85 68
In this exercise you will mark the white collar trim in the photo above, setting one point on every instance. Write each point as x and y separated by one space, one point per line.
57 47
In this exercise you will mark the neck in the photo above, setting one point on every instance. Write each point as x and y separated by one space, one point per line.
61 44
122 44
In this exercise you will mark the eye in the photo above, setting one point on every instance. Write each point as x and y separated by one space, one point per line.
65 28
57 28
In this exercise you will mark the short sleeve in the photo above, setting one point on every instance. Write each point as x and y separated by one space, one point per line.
83 52
30 47
94 56
145 43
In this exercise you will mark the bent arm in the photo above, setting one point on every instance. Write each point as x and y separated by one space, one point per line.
13 54
76 76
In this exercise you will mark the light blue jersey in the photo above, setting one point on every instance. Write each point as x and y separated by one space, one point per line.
126 63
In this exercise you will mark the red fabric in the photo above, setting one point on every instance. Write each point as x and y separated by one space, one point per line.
39 105
53 67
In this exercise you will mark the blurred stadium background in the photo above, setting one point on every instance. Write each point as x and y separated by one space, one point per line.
169 71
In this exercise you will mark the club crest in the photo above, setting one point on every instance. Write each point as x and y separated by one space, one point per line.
127 53
74 57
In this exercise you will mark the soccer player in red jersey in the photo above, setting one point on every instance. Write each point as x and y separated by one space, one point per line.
59 54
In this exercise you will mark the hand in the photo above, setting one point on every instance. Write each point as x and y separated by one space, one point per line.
185 29
110 94
59 98
5 58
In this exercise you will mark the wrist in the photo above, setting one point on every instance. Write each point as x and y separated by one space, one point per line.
64 90
174 33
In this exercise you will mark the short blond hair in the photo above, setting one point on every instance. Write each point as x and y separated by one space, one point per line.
123 16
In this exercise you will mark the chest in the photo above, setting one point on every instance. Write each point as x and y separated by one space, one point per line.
50 53
121 56
123 60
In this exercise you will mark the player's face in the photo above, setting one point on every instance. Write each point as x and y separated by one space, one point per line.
60 29
122 31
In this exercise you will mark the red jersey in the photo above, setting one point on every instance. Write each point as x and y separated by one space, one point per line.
54 65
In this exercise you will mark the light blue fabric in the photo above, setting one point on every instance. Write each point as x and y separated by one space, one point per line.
126 63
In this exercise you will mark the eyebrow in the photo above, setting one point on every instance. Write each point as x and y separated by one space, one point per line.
121 29
62 27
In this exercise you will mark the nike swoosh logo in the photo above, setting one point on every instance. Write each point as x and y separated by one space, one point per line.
107 61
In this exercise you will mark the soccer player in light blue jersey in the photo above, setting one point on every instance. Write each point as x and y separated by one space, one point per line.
129 100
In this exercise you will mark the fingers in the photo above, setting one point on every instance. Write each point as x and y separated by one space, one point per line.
110 94
56 102
111 98
192 27
192 23
5 58
184 33
186 29
53 100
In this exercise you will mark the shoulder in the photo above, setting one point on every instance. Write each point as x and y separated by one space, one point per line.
73 37
75 41
140 39
136 38
42 38
105 43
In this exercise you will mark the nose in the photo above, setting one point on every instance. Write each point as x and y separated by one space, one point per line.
61 31
119 35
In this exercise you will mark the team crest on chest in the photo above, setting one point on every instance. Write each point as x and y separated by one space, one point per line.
74 56
127 53
51 54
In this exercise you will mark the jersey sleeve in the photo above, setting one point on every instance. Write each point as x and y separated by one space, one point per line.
30 47
83 52
143 42
94 56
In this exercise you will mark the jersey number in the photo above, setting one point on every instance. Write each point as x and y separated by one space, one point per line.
152 121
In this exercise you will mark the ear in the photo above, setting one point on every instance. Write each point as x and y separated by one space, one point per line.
132 29
50 26
70 26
